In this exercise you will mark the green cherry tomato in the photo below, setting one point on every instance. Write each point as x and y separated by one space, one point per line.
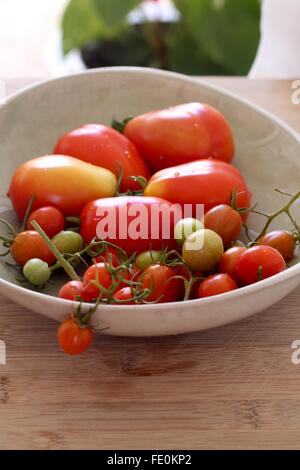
185 227
147 258
68 242
203 250
37 272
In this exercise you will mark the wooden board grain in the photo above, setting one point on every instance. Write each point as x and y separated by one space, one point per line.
232 387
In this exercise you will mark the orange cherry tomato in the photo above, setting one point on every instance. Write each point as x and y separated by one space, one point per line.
74 339
225 221
181 134
63 182
107 148
28 245
282 241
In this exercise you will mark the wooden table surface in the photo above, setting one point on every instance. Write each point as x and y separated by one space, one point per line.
232 387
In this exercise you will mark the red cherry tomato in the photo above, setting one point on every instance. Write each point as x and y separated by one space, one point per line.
181 134
160 280
225 221
229 262
74 339
71 290
49 218
28 245
124 295
129 222
103 146
216 284
111 256
259 262
282 241
208 182
97 273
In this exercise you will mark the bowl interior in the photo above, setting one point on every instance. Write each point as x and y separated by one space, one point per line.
267 152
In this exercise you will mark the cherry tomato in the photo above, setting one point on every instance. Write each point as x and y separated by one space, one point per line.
71 290
103 146
208 182
68 242
64 182
185 227
99 274
124 294
74 339
229 262
216 284
160 280
282 241
259 262
111 256
147 258
181 134
49 219
202 250
225 221
37 272
134 223
28 245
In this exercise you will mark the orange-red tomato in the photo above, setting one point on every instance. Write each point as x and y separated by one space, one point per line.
97 273
61 181
129 222
71 290
225 221
229 262
216 284
162 283
49 219
107 148
282 241
181 134
209 182
74 339
259 262
28 245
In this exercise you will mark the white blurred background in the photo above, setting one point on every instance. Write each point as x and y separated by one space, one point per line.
29 39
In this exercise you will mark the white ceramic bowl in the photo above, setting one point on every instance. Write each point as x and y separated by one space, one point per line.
267 154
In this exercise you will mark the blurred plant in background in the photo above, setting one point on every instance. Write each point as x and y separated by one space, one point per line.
196 37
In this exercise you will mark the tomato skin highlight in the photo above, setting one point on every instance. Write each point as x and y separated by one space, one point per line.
181 134
124 294
259 262
209 182
229 262
225 221
49 219
103 146
161 278
74 339
215 285
120 209
71 290
55 180
28 245
282 241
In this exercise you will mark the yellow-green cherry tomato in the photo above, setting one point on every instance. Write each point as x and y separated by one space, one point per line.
68 242
203 250
37 272
185 227
147 258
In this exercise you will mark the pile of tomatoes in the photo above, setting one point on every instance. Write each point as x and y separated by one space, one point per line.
181 155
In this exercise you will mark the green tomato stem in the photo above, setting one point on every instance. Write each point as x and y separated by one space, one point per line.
63 262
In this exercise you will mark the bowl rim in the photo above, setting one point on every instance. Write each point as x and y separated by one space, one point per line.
264 284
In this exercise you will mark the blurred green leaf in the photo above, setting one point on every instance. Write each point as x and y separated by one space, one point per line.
228 31
114 12
80 24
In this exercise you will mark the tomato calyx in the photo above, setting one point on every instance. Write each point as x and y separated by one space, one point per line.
120 125
140 180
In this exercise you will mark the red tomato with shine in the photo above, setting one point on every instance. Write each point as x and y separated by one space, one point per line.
49 219
125 296
259 262
71 290
105 147
74 339
162 283
209 182
181 134
134 223
215 285
230 260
